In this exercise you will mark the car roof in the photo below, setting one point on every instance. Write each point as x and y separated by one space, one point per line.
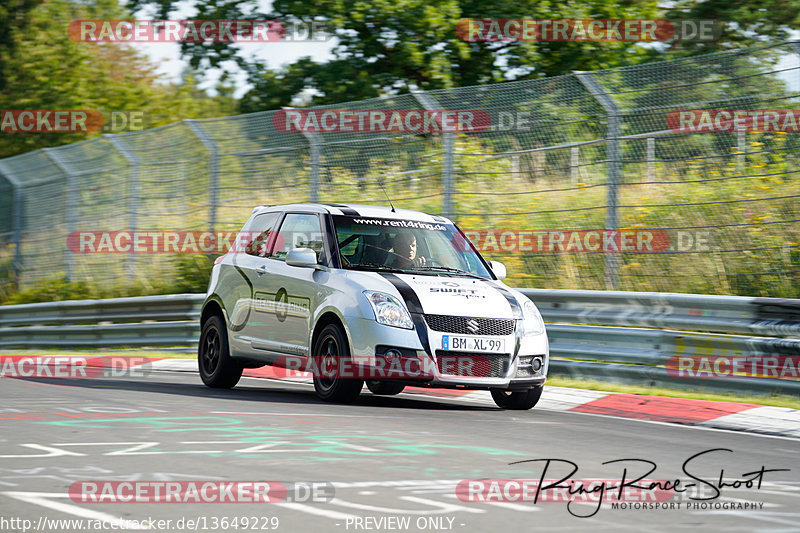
358 210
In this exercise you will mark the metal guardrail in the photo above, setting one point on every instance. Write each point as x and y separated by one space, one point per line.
631 354
693 312
594 335
169 320
137 309
673 359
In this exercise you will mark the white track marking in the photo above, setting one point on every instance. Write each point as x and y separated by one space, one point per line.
352 446
53 452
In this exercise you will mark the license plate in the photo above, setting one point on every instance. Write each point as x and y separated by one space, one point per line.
472 344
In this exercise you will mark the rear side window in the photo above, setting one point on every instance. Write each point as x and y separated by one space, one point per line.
262 235
299 231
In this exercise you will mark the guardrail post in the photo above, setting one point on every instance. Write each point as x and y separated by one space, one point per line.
72 203
17 208
133 190
213 170
448 149
614 166
315 152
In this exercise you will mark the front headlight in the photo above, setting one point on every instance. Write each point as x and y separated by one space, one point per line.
532 323
388 310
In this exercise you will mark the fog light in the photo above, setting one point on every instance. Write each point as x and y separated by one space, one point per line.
391 354
536 364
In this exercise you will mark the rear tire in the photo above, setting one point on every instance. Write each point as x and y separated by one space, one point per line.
331 348
217 369
384 388
517 400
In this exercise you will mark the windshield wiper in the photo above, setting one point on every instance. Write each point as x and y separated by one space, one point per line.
448 269
375 266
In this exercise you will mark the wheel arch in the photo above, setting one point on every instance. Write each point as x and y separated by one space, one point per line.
213 306
326 318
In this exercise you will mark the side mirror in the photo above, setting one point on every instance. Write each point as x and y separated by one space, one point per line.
498 268
302 257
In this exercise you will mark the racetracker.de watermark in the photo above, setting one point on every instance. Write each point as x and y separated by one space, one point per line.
381 120
732 367
387 366
200 491
601 30
70 121
73 366
563 490
485 241
196 31
166 242
723 120
559 241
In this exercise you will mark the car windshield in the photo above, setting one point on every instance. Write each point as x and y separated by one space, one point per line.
406 246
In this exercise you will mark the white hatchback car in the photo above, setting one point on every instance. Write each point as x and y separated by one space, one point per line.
355 293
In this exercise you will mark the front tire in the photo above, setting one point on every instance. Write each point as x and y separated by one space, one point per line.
517 400
384 388
217 369
330 349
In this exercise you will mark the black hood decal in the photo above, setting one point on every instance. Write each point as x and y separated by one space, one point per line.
515 308
414 307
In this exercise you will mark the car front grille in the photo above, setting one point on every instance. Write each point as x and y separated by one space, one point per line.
470 364
465 325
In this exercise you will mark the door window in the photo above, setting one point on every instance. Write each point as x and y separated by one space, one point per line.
299 231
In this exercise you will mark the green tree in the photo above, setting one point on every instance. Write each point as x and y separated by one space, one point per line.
14 14
48 71
746 24
390 46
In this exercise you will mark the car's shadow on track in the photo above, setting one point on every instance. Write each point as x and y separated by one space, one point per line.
251 391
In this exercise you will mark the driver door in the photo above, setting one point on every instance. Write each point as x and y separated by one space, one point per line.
296 291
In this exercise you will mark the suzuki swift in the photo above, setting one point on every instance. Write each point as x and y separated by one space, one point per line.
356 293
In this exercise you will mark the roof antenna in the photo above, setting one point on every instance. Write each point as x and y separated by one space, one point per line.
386 195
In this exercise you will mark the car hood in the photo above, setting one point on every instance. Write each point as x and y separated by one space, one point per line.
444 295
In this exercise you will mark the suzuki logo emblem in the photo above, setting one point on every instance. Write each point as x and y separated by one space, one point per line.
473 325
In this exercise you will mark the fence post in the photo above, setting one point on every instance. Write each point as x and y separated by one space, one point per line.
448 147
17 208
574 164
315 152
72 203
213 170
741 147
613 165
651 159
133 190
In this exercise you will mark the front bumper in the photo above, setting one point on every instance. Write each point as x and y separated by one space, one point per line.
367 338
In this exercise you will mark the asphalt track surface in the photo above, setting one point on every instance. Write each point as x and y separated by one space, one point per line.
389 459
